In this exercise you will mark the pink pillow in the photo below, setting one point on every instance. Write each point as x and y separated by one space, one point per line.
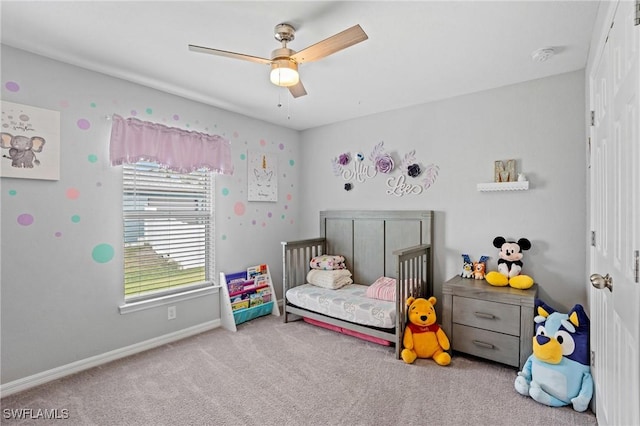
384 289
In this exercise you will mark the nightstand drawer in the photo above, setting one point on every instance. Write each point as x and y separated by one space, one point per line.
487 315
486 344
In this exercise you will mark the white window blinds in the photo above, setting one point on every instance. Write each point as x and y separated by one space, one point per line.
168 229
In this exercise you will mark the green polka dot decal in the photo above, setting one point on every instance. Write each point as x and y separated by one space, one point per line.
102 253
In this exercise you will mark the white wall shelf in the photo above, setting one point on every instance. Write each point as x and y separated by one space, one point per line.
503 186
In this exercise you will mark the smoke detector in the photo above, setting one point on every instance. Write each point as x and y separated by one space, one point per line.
542 54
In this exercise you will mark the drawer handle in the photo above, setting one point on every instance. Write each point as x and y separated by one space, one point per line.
484 315
483 344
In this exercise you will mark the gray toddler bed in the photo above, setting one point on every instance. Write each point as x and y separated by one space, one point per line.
375 243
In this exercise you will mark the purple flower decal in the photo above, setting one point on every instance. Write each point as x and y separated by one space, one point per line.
414 170
384 163
344 159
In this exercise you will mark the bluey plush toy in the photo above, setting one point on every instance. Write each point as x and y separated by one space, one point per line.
558 372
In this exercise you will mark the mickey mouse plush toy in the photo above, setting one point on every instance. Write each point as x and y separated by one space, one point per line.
510 264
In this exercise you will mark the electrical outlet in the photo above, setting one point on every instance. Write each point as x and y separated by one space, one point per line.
171 312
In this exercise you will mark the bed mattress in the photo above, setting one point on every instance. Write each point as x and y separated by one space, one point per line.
348 303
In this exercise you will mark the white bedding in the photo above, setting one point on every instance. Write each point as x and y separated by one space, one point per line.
348 303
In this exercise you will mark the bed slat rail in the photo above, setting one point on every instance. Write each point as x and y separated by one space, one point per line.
295 263
413 279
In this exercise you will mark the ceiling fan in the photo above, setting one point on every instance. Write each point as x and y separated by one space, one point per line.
284 61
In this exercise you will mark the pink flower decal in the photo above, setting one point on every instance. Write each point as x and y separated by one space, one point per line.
384 163
344 159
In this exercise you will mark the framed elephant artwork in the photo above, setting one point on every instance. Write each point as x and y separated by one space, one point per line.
30 142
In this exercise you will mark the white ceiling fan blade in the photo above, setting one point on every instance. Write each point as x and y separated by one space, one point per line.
233 55
297 90
331 45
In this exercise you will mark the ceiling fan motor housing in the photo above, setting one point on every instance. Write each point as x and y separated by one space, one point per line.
284 33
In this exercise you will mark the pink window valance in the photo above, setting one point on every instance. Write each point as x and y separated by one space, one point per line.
183 151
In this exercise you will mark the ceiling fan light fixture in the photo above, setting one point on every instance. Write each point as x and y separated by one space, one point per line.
284 73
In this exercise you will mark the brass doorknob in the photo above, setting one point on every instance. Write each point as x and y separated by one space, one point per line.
600 282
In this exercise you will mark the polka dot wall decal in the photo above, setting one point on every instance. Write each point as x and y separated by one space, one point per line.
92 105
25 219
134 112
13 192
253 222
263 142
72 194
64 104
282 217
84 124
12 86
243 156
225 191
269 214
75 218
289 197
176 117
239 208
92 158
149 111
291 162
102 253
281 146
235 134
224 237
58 234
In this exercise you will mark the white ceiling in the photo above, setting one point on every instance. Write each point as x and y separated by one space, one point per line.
417 51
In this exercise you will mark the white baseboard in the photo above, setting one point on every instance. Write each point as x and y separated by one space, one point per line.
94 361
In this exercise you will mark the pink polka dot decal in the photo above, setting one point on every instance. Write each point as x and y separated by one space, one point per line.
25 219
12 86
73 194
263 142
239 208
84 124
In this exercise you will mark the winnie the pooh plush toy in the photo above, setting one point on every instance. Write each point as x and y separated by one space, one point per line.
423 337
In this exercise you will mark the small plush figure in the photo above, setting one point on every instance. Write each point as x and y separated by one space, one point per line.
423 337
510 264
558 373
480 267
467 267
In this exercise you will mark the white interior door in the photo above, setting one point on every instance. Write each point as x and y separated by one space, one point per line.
615 217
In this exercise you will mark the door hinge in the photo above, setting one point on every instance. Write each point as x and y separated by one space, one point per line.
636 254
593 238
593 118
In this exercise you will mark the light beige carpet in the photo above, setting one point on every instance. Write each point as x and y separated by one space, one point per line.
271 373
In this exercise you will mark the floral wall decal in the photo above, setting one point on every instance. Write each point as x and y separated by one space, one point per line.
381 161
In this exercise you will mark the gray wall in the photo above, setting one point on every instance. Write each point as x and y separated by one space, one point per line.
58 304
540 124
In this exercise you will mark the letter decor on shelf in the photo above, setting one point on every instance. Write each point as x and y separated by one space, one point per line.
411 180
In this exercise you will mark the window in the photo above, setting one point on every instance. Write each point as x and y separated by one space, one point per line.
168 230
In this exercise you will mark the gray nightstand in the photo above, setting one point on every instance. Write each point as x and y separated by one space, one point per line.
491 322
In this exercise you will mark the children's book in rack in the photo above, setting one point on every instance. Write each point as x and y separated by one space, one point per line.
246 295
